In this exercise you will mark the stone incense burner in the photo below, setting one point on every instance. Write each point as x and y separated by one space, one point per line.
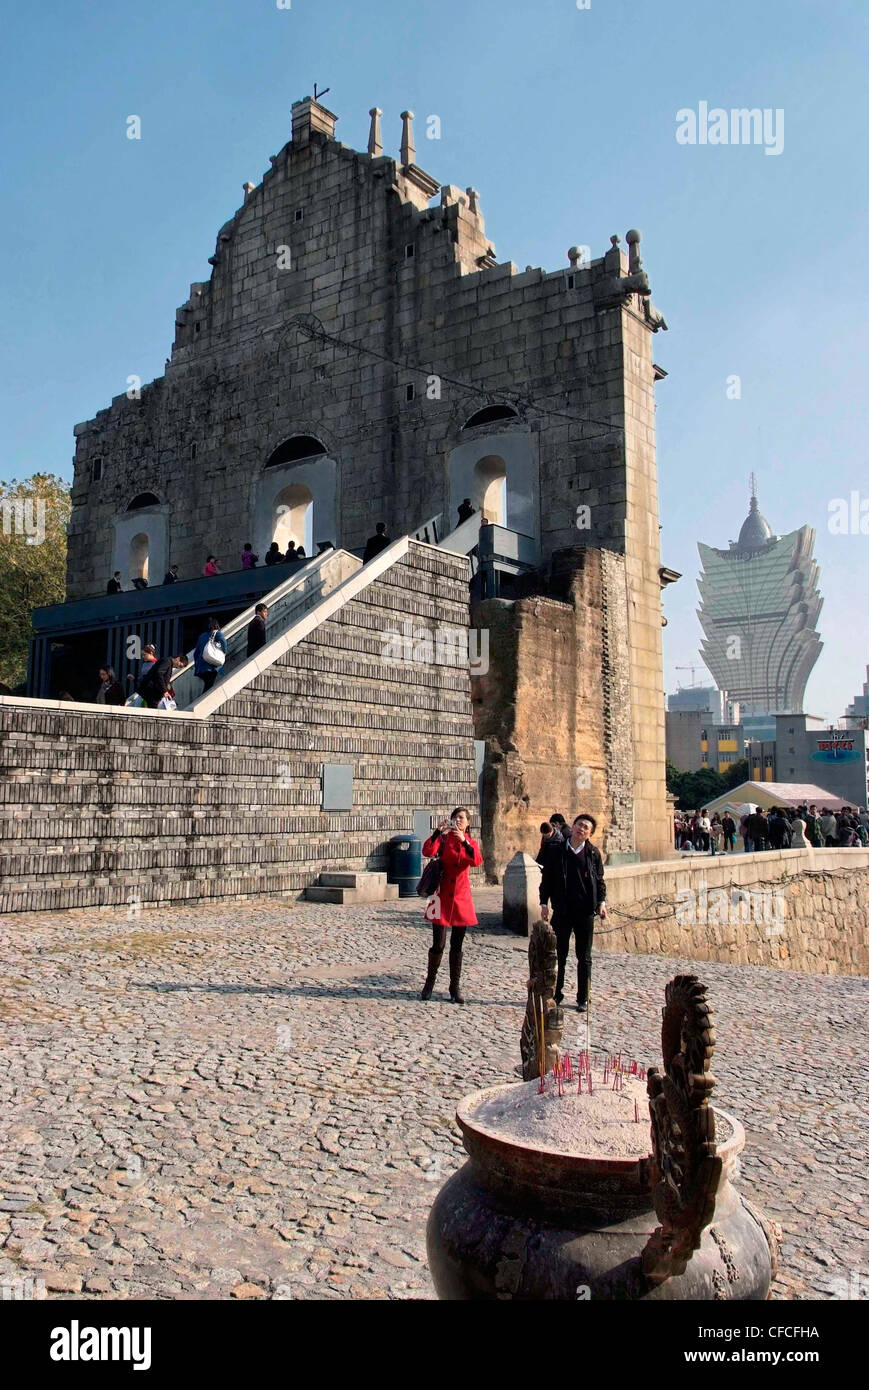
522 1220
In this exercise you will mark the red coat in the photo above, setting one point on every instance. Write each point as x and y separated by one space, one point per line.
457 857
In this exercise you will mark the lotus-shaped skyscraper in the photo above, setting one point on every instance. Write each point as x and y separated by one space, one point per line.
758 610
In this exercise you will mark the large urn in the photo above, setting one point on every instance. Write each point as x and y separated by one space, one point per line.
522 1220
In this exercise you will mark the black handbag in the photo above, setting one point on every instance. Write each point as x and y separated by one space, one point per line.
431 877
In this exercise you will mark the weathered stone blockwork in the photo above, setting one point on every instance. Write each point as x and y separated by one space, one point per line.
336 289
554 710
99 808
813 912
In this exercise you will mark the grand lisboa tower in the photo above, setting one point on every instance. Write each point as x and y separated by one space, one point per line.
759 603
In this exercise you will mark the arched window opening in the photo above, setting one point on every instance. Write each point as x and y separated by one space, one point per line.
294 517
490 489
301 446
138 565
144 499
489 414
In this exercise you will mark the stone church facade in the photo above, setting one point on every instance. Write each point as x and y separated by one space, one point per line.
359 354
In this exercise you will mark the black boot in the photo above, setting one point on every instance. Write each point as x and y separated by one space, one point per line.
434 961
455 976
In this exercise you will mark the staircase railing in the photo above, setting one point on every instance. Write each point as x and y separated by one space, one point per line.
286 603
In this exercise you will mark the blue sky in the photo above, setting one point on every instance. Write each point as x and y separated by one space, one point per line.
565 121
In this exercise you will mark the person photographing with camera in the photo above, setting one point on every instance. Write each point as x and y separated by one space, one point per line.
573 881
451 905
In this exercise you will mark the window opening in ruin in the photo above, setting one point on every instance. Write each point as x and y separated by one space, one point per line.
490 488
299 214
571 282
196 327
138 564
409 251
193 451
409 391
96 470
489 414
301 446
293 517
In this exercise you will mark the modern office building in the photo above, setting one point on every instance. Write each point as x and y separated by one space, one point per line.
695 739
808 750
759 606
714 702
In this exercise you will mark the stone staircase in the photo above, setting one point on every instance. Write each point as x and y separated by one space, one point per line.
348 886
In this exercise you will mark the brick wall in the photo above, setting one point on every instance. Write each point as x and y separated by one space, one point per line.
97 806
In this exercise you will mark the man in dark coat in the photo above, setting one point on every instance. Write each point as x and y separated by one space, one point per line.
114 585
256 629
153 685
376 543
573 881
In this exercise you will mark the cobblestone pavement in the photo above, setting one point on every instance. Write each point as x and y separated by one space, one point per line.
251 1101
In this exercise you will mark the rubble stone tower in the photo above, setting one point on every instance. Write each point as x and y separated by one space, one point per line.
359 354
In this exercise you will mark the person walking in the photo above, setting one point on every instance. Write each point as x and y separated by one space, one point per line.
828 827
110 691
114 585
573 881
379 541
728 833
208 671
171 575
466 509
256 629
798 833
248 559
212 567
154 686
273 554
291 551
452 905
704 831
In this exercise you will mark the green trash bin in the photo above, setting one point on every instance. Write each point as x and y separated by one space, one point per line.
405 863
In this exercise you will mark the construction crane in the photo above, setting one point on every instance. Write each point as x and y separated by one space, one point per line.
692 669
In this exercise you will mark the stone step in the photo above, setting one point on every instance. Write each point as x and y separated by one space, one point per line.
350 878
367 893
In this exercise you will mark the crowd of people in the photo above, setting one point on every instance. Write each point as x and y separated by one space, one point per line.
275 556
152 685
249 561
781 827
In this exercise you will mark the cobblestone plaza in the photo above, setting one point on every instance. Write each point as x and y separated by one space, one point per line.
250 1101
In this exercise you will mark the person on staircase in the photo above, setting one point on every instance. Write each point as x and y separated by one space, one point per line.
452 905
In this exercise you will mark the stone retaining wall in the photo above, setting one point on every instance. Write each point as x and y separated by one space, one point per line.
794 909
124 807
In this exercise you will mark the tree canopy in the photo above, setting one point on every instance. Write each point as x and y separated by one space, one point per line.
33 520
694 790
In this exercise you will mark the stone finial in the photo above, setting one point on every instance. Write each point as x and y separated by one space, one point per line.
634 262
616 242
408 150
375 144
574 255
473 206
248 189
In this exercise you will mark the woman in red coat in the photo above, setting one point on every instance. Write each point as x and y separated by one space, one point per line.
452 905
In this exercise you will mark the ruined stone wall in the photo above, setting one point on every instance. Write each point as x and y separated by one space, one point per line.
347 241
554 709
806 910
99 807
244 375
